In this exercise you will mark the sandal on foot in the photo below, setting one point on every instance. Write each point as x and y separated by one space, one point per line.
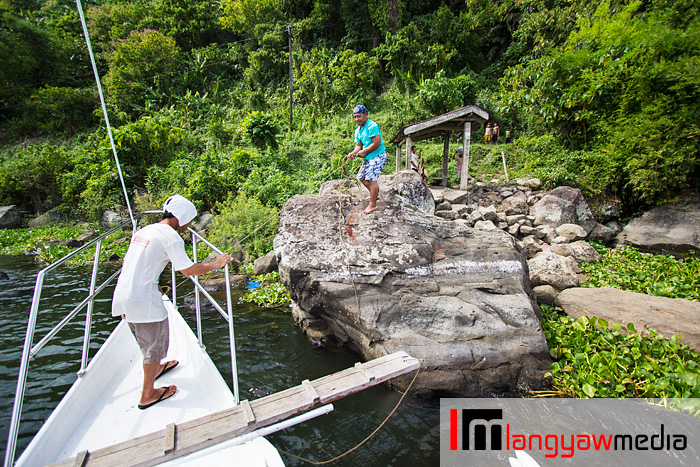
167 368
161 398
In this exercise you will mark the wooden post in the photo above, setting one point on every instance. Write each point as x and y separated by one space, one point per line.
445 156
409 143
398 157
466 140
505 169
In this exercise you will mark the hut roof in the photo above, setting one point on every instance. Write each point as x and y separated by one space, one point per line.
437 126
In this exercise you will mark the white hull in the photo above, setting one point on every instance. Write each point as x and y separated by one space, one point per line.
101 410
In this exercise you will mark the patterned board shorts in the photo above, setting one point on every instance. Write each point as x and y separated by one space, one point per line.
371 169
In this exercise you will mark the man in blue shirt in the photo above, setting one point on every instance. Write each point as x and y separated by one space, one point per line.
369 145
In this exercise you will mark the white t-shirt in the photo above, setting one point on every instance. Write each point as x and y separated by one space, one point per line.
136 294
414 159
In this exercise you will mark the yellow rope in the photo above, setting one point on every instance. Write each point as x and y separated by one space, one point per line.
364 440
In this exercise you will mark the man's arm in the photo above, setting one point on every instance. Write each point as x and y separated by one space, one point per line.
197 269
360 152
353 154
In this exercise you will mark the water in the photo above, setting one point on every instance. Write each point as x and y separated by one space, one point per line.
272 353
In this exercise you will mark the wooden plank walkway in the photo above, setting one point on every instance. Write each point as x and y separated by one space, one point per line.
180 440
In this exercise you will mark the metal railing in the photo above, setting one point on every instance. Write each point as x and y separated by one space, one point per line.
29 351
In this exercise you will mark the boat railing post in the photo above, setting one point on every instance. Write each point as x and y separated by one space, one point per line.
90 307
198 313
172 275
23 369
232 339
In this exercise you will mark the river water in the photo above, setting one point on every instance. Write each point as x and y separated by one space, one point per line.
272 354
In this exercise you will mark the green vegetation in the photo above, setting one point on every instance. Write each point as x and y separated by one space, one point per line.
599 359
629 269
594 361
270 293
600 96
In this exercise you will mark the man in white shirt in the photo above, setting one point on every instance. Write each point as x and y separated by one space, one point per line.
137 294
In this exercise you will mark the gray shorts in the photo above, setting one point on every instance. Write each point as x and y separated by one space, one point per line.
153 340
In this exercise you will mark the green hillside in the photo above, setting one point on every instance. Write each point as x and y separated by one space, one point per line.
600 96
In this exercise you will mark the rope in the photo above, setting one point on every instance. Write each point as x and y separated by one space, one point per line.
364 440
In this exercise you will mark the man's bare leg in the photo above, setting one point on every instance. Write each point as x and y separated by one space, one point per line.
373 188
149 393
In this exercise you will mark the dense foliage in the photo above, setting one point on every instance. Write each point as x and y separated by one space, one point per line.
601 96
629 269
595 358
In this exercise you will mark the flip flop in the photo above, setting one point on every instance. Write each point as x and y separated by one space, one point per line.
167 368
161 398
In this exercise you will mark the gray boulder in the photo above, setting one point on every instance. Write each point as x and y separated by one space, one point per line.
580 251
10 217
668 316
48 217
514 205
400 279
265 264
572 232
563 205
673 229
203 222
406 185
549 268
112 219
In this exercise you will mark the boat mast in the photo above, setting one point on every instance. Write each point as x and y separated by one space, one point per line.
104 112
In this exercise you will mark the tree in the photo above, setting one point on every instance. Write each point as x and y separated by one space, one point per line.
146 62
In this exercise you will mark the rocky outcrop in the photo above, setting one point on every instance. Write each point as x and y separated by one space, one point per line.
564 205
672 229
112 219
399 278
10 217
265 264
667 316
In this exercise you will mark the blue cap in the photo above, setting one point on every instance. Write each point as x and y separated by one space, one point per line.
359 109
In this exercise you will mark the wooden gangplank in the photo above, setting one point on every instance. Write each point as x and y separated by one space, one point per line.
186 438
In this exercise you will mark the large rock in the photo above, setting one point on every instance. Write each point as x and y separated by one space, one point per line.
549 268
407 186
671 229
112 219
563 205
400 279
46 218
10 217
265 264
668 316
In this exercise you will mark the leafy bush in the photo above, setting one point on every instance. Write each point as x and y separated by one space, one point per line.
33 176
332 81
262 130
593 172
440 94
146 62
205 180
594 361
270 293
59 109
628 269
244 221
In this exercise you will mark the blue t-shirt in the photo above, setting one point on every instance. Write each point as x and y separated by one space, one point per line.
364 135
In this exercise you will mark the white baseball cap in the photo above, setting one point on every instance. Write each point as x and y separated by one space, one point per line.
180 207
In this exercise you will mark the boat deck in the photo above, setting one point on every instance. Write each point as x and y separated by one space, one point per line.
100 409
